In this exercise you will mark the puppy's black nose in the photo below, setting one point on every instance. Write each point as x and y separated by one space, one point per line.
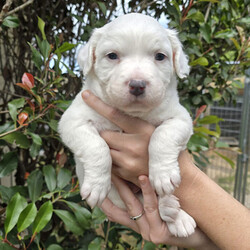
137 87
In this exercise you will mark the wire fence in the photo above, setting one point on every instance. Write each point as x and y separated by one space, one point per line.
235 131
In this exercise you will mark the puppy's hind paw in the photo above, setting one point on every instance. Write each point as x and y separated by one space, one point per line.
183 226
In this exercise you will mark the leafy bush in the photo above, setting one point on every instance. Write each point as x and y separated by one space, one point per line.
44 209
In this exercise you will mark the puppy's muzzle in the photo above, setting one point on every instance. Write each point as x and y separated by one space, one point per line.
137 87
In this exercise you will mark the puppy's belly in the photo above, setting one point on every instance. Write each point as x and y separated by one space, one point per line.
116 199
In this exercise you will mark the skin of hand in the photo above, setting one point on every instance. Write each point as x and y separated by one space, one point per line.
129 152
217 214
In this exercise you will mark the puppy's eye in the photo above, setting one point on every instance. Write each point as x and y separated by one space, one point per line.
159 57
112 56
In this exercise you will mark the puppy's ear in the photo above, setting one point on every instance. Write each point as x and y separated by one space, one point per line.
180 59
86 54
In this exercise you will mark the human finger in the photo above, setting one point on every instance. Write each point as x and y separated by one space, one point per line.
133 205
118 215
126 123
135 145
132 181
125 167
150 202
115 140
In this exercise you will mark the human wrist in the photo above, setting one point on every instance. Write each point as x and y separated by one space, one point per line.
190 175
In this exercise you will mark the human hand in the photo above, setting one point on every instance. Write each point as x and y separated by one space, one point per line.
129 150
150 224
138 132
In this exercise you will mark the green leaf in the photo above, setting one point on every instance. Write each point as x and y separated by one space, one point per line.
69 221
8 164
225 34
199 161
39 42
238 84
7 126
200 61
217 128
53 124
96 244
35 184
245 20
206 131
196 99
11 22
210 119
35 138
13 210
26 217
14 106
50 177
17 137
45 49
229 161
63 178
195 15
8 192
65 47
41 26
82 214
197 142
63 104
102 7
36 57
236 44
98 216
205 30
212 1
5 246
71 73
34 150
54 247
43 217
149 246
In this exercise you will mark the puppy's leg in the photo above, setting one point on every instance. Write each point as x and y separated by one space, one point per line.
93 160
165 145
179 222
94 174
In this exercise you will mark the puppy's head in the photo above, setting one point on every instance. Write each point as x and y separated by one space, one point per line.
135 61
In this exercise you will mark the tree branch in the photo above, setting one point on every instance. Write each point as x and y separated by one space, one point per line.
5 10
20 7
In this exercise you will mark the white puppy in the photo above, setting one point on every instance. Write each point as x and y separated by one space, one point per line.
131 64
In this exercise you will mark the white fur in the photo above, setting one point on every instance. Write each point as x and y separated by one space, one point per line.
135 38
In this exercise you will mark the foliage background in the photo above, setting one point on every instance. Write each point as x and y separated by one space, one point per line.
43 210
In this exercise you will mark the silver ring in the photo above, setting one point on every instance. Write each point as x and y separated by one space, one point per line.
137 217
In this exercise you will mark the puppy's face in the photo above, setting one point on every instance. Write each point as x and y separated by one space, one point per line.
134 59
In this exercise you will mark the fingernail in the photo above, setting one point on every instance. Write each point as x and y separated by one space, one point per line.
85 94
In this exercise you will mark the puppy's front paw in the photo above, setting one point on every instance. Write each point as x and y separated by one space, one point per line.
95 191
164 182
183 226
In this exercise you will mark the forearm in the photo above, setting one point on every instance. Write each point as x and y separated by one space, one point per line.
217 213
